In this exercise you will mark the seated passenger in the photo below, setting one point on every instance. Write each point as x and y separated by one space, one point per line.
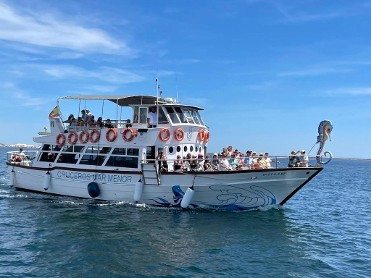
162 161
178 163
128 123
303 159
99 122
293 160
215 162
108 124
208 165
224 164
200 162
193 163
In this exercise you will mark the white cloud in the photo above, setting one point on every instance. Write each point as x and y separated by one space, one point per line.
107 74
45 30
314 72
355 91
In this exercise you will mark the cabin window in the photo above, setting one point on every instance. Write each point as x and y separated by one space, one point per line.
92 159
143 115
172 114
185 148
191 149
69 158
49 153
136 114
120 151
162 117
124 157
178 149
171 150
180 114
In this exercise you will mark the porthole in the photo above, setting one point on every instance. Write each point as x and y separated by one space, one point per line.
178 149
171 150
200 150
185 148
191 149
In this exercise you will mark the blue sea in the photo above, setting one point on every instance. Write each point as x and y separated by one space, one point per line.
323 231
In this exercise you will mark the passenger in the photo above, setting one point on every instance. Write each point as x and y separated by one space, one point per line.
152 117
108 124
84 115
193 163
200 162
162 161
293 160
224 153
178 163
187 162
21 154
99 122
268 160
71 120
262 162
224 164
233 161
91 121
248 161
254 160
80 121
215 162
128 123
229 151
303 159
207 165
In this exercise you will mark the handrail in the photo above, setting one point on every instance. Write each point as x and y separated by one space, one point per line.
241 163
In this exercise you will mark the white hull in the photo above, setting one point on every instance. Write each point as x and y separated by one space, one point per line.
232 190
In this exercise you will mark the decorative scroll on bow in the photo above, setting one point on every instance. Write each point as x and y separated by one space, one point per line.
324 132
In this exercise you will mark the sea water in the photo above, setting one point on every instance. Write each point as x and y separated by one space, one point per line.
323 231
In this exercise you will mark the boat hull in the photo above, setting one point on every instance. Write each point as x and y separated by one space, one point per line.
226 190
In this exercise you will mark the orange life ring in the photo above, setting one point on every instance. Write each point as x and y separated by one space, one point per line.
207 136
164 134
179 134
84 136
60 140
108 135
201 135
94 136
72 138
130 137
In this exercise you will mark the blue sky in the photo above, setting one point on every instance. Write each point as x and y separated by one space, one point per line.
266 71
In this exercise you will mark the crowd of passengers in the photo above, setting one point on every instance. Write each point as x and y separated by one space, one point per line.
229 160
87 119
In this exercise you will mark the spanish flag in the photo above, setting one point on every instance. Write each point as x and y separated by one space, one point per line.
54 113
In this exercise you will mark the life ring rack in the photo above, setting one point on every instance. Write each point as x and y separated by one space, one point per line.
164 134
60 140
126 137
72 138
84 136
179 134
94 136
109 137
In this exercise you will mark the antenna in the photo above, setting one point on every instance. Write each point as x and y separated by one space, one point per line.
176 87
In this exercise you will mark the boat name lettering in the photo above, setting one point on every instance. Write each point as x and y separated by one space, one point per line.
94 177
275 174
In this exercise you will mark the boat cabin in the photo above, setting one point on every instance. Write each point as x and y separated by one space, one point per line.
124 142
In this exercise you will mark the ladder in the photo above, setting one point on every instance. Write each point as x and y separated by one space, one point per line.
151 173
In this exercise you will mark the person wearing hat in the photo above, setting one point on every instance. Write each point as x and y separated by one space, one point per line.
293 160
303 159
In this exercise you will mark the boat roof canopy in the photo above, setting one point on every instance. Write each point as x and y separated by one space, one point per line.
131 100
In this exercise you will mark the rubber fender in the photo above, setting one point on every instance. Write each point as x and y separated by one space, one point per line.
93 189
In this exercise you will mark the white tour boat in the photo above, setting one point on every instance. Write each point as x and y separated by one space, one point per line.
118 161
